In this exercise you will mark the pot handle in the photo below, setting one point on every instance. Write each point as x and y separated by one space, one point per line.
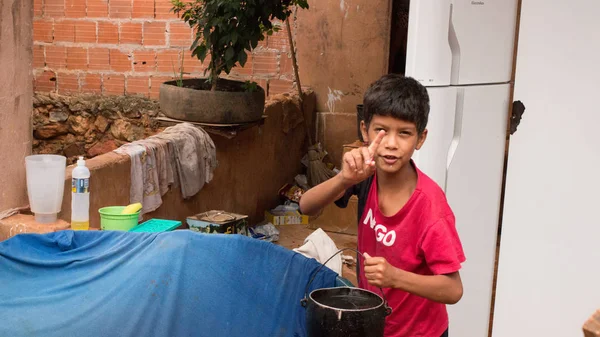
388 310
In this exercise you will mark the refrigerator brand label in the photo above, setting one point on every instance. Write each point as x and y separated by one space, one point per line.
478 3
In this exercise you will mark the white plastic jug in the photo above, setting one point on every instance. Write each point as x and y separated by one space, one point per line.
45 185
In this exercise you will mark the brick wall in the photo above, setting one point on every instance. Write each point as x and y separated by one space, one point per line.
117 47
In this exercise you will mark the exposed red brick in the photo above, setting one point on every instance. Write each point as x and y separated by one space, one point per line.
155 82
119 61
99 59
265 63
75 8
286 67
85 31
77 58
143 9
45 81
67 83
279 86
180 34
246 70
191 64
38 7
168 61
42 30
162 9
154 33
56 57
279 41
139 85
108 32
120 9
114 84
144 60
261 83
38 56
97 8
91 83
64 31
131 33
54 8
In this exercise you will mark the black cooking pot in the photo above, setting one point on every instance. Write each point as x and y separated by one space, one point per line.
344 311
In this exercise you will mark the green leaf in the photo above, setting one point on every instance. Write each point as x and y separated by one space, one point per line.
229 53
242 58
200 52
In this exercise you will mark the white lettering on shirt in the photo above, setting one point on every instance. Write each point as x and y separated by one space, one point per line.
381 232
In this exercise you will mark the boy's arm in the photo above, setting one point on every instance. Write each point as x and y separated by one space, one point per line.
313 200
357 165
445 288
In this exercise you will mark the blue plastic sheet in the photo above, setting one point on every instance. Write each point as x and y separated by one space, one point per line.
171 284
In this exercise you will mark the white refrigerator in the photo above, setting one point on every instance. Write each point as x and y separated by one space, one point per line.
462 51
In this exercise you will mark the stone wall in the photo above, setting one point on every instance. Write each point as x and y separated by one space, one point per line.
90 125
252 167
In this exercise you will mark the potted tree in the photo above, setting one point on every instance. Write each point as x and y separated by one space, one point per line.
225 31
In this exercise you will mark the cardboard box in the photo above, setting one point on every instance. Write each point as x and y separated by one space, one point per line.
338 220
286 218
218 222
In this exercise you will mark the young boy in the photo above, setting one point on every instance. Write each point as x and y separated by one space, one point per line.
406 227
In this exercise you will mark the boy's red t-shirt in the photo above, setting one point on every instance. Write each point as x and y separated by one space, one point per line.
420 238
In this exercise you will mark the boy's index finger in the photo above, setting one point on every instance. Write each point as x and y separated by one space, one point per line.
375 143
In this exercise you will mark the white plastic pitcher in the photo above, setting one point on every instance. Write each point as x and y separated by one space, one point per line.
45 185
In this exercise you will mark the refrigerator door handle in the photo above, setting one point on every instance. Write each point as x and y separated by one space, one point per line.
454 47
458 116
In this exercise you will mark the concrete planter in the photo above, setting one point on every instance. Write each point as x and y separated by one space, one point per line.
194 102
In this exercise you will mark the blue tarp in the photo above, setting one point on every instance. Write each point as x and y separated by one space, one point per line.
180 283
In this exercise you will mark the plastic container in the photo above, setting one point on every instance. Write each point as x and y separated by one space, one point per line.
45 185
156 225
80 196
111 219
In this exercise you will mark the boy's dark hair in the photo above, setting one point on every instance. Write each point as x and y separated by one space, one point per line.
397 96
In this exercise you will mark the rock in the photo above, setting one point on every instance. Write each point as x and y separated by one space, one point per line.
90 136
40 117
50 131
131 114
107 105
54 147
58 116
74 150
145 120
102 124
125 130
69 138
102 147
79 125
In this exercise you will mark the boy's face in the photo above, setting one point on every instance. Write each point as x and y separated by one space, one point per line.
397 146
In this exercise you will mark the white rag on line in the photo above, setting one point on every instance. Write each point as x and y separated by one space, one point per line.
183 155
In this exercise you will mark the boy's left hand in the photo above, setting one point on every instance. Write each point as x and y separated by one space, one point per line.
379 272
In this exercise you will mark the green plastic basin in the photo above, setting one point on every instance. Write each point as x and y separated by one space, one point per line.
111 219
